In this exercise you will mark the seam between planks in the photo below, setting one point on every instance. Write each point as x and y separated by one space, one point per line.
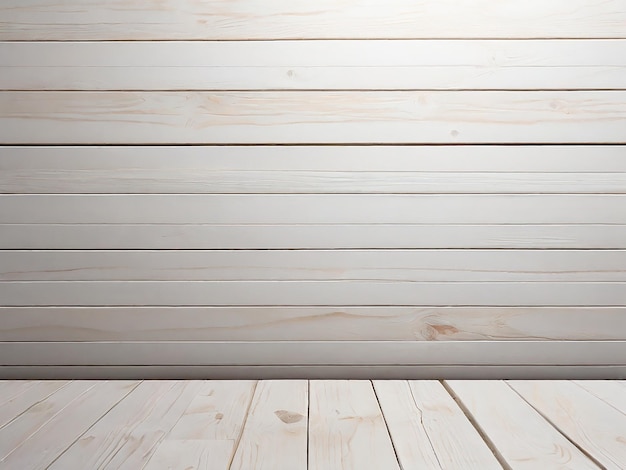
557 428
481 432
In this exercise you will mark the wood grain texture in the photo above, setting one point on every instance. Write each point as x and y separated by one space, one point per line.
314 169
346 427
581 416
143 427
166 180
217 413
207 184
160 181
190 454
307 265
312 117
313 65
314 353
520 435
282 19
16 431
428 429
291 209
303 293
310 323
112 434
310 236
317 158
23 397
275 431
78 415
611 392
389 323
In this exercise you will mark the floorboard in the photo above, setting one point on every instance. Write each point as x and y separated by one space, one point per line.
316 424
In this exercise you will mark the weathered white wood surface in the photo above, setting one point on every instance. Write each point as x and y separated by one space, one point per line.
63 426
241 19
317 65
193 180
216 413
611 392
299 265
389 323
582 417
348 419
26 423
294 182
346 427
312 117
144 429
275 433
113 433
314 169
312 236
191 455
316 292
428 429
522 437
313 353
16 400
108 116
318 158
271 209
410 438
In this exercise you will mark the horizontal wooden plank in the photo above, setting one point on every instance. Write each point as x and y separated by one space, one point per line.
313 209
311 323
377 158
314 169
32 171
313 65
367 372
298 265
241 19
190 236
312 117
322 293
315 353
193 181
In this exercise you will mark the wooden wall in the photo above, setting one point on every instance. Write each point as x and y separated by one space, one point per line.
286 188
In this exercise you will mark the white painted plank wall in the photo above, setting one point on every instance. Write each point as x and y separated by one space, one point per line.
420 183
285 19
314 65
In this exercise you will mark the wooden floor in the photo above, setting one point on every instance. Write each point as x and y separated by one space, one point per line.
317 424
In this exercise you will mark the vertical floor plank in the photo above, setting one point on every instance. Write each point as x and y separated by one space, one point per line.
106 438
37 414
585 419
404 421
143 441
194 454
608 391
438 422
17 400
217 412
58 433
9 389
521 436
206 434
275 432
346 427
